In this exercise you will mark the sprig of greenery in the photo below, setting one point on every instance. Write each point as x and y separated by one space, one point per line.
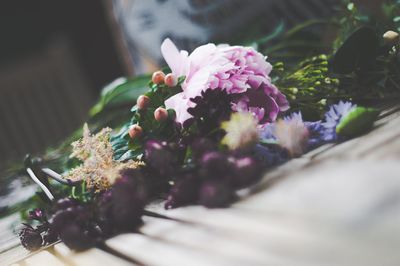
126 148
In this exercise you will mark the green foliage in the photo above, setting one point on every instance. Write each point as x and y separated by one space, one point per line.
349 19
124 147
357 67
358 52
120 91
308 85
357 121
391 10
80 193
293 45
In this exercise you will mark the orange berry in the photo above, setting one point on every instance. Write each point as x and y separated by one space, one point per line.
160 114
158 77
171 80
142 102
135 131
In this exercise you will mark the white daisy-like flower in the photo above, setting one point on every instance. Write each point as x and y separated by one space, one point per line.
241 131
292 134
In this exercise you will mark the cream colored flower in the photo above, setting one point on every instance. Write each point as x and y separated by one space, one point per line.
98 169
292 135
241 131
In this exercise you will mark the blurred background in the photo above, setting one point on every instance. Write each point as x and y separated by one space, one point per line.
55 56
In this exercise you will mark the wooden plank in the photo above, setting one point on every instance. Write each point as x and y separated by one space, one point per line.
339 210
43 258
91 257
155 251
287 240
208 240
12 255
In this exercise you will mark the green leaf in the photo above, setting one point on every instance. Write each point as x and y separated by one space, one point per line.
357 52
278 31
132 154
357 122
121 91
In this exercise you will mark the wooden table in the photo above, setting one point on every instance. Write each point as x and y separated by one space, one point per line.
337 205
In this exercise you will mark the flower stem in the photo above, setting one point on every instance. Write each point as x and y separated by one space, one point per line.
40 184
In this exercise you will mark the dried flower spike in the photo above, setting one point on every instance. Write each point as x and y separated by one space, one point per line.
160 114
135 131
158 77
171 80
143 102
98 169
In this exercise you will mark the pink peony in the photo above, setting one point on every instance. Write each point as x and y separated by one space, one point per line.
239 70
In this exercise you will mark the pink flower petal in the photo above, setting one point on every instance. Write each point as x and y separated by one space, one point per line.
177 61
180 104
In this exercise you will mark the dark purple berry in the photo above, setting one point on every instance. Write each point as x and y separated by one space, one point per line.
215 165
162 158
245 172
216 194
201 146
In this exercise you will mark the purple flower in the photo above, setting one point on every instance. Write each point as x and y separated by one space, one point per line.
246 171
264 102
128 197
315 137
75 226
36 214
237 70
332 119
216 165
76 237
162 159
216 194
315 130
185 191
200 146
270 155
30 238
211 108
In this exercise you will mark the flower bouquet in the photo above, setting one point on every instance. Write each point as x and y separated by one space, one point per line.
210 125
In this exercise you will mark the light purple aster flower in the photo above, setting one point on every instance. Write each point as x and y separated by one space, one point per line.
238 70
316 131
332 119
270 155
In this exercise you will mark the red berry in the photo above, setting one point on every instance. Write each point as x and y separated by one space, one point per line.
171 80
135 131
161 114
142 102
158 77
